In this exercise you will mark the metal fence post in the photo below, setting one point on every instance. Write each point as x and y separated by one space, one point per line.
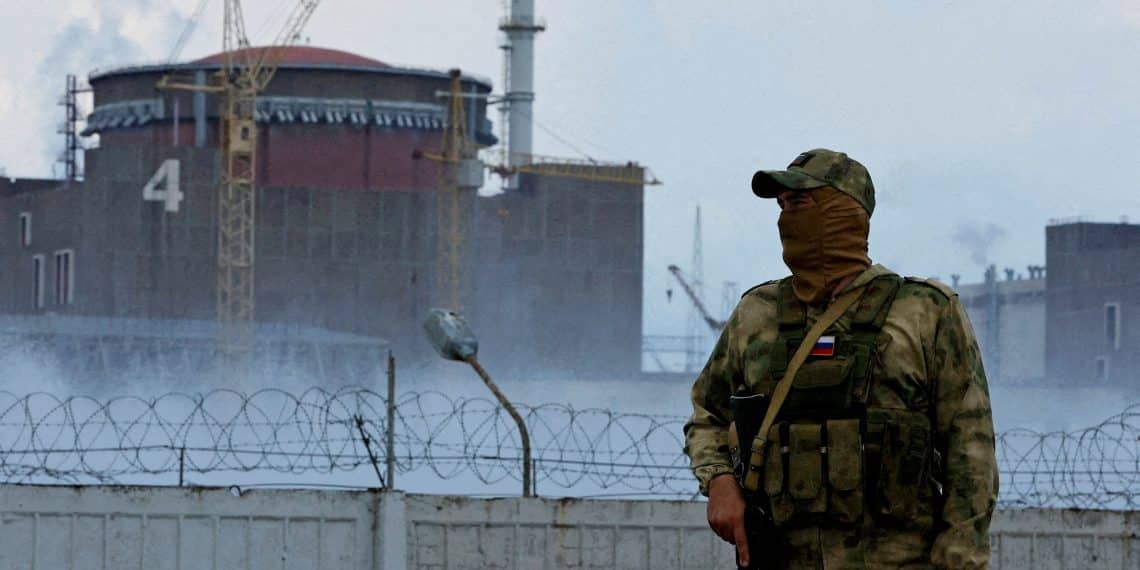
390 451
534 478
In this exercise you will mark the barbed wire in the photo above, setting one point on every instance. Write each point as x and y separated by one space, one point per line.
81 439
1093 467
45 438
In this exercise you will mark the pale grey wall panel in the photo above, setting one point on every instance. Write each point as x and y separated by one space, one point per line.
162 528
455 532
114 528
1046 539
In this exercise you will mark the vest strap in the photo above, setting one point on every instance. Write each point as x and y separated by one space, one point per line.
833 312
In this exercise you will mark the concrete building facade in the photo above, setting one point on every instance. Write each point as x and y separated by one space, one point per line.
1092 294
1009 320
559 278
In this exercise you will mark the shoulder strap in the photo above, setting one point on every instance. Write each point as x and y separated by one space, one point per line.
832 314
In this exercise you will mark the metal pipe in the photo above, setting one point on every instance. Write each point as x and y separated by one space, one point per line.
523 433
174 121
200 111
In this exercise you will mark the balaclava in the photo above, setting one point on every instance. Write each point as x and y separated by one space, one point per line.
824 243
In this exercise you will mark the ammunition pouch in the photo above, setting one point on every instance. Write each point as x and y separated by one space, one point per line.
822 388
814 473
900 443
836 471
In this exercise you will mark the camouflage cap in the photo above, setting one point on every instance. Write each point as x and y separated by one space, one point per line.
817 168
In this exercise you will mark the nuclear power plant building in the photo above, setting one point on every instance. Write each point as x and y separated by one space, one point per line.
347 226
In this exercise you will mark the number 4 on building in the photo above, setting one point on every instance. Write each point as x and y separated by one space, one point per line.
163 186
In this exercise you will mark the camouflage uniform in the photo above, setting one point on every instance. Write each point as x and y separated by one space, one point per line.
927 363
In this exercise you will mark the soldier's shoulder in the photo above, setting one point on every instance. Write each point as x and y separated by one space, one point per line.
930 288
766 291
757 307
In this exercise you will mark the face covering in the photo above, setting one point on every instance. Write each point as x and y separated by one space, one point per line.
824 243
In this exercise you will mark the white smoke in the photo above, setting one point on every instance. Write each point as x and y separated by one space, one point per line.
978 239
96 35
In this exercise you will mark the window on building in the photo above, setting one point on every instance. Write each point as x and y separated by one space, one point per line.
1112 325
38 281
1102 368
64 277
25 229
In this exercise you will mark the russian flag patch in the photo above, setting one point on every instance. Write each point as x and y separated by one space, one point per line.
825 346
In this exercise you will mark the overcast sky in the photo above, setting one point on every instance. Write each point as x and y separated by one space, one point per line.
978 120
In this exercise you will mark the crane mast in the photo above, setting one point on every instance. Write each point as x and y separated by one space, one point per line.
462 172
244 74
715 324
458 155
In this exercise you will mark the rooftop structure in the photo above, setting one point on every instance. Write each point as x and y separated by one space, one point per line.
330 119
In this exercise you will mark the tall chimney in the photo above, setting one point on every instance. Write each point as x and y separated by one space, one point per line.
520 28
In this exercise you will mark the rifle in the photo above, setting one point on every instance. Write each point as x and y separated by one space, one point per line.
765 545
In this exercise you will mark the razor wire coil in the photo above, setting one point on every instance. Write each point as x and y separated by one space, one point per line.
45 438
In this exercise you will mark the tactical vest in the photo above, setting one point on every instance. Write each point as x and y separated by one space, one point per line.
832 454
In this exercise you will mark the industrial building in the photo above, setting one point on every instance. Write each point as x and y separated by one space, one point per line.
1008 316
347 230
1092 294
1068 325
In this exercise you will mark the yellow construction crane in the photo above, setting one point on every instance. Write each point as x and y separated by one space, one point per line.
463 172
244 74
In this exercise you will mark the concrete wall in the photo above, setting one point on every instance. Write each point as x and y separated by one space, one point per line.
156 528
1090 266
1063 539
559 280
115 528
457 532
55 217
105 528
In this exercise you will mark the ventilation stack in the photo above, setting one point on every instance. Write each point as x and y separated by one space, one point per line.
520 27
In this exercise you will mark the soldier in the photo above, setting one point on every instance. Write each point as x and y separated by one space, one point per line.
881 454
